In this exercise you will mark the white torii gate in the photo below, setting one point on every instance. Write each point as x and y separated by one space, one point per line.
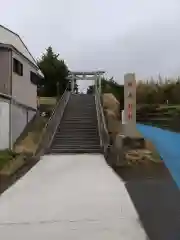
93 75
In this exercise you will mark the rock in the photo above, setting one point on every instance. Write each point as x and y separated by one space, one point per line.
144 152
133 157
149 146
27 145
139 156
113 123
148 158
111 103
111 109
10 168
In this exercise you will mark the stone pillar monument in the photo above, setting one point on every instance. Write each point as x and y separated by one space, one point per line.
130 105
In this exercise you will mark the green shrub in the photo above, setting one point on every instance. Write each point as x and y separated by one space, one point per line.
6 155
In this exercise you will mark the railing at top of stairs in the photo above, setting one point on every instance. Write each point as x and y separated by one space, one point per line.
53 123
103 132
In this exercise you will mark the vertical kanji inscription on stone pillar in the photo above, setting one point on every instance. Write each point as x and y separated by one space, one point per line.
130 104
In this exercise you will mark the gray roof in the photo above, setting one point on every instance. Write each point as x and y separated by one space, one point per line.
9 37
89 73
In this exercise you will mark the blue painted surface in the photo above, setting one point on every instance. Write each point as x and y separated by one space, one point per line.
168 145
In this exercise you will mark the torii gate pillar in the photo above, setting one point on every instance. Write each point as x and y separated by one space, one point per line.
72 84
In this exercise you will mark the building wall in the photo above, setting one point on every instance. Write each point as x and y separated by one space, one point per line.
23 90
20 116
4 124
13 120
31 115
18 121
5 71
13 116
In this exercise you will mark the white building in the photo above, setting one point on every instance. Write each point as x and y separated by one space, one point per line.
19 74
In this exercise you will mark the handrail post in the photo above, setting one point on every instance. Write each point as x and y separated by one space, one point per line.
103 132
100 87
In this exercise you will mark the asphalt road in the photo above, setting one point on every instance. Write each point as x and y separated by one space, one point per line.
156 198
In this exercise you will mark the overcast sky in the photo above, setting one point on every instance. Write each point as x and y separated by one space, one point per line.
117 36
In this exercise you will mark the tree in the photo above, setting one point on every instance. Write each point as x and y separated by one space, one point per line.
55 73
110 86
162 91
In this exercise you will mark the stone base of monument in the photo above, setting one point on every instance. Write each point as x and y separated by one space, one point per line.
129 130
130 142
121 146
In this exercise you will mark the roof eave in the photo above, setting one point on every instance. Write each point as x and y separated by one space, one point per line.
11 47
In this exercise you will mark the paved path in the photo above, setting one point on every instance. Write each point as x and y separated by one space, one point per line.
69 197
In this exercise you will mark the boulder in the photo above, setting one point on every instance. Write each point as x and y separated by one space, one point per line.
27 145
111 103
139 156
113 123
112 114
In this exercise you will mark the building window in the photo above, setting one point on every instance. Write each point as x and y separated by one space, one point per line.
17 67
35 79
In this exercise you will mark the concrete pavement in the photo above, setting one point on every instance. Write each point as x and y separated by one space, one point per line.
69 197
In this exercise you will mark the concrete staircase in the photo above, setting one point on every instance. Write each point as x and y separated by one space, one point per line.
78 130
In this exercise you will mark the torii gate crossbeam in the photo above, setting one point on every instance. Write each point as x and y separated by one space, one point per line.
86 75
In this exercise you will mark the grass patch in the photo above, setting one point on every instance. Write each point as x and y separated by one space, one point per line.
29 143
26 145
150 146
169 106
6 156
47 100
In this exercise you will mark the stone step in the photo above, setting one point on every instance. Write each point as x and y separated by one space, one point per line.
76 151
78 130
89 117
77 117
71 122
72 146
82 135
76 138
79 121
75 142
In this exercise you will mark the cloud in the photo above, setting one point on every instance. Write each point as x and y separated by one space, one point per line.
115 35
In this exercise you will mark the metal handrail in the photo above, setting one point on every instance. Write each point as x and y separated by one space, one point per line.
103 132
51 126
